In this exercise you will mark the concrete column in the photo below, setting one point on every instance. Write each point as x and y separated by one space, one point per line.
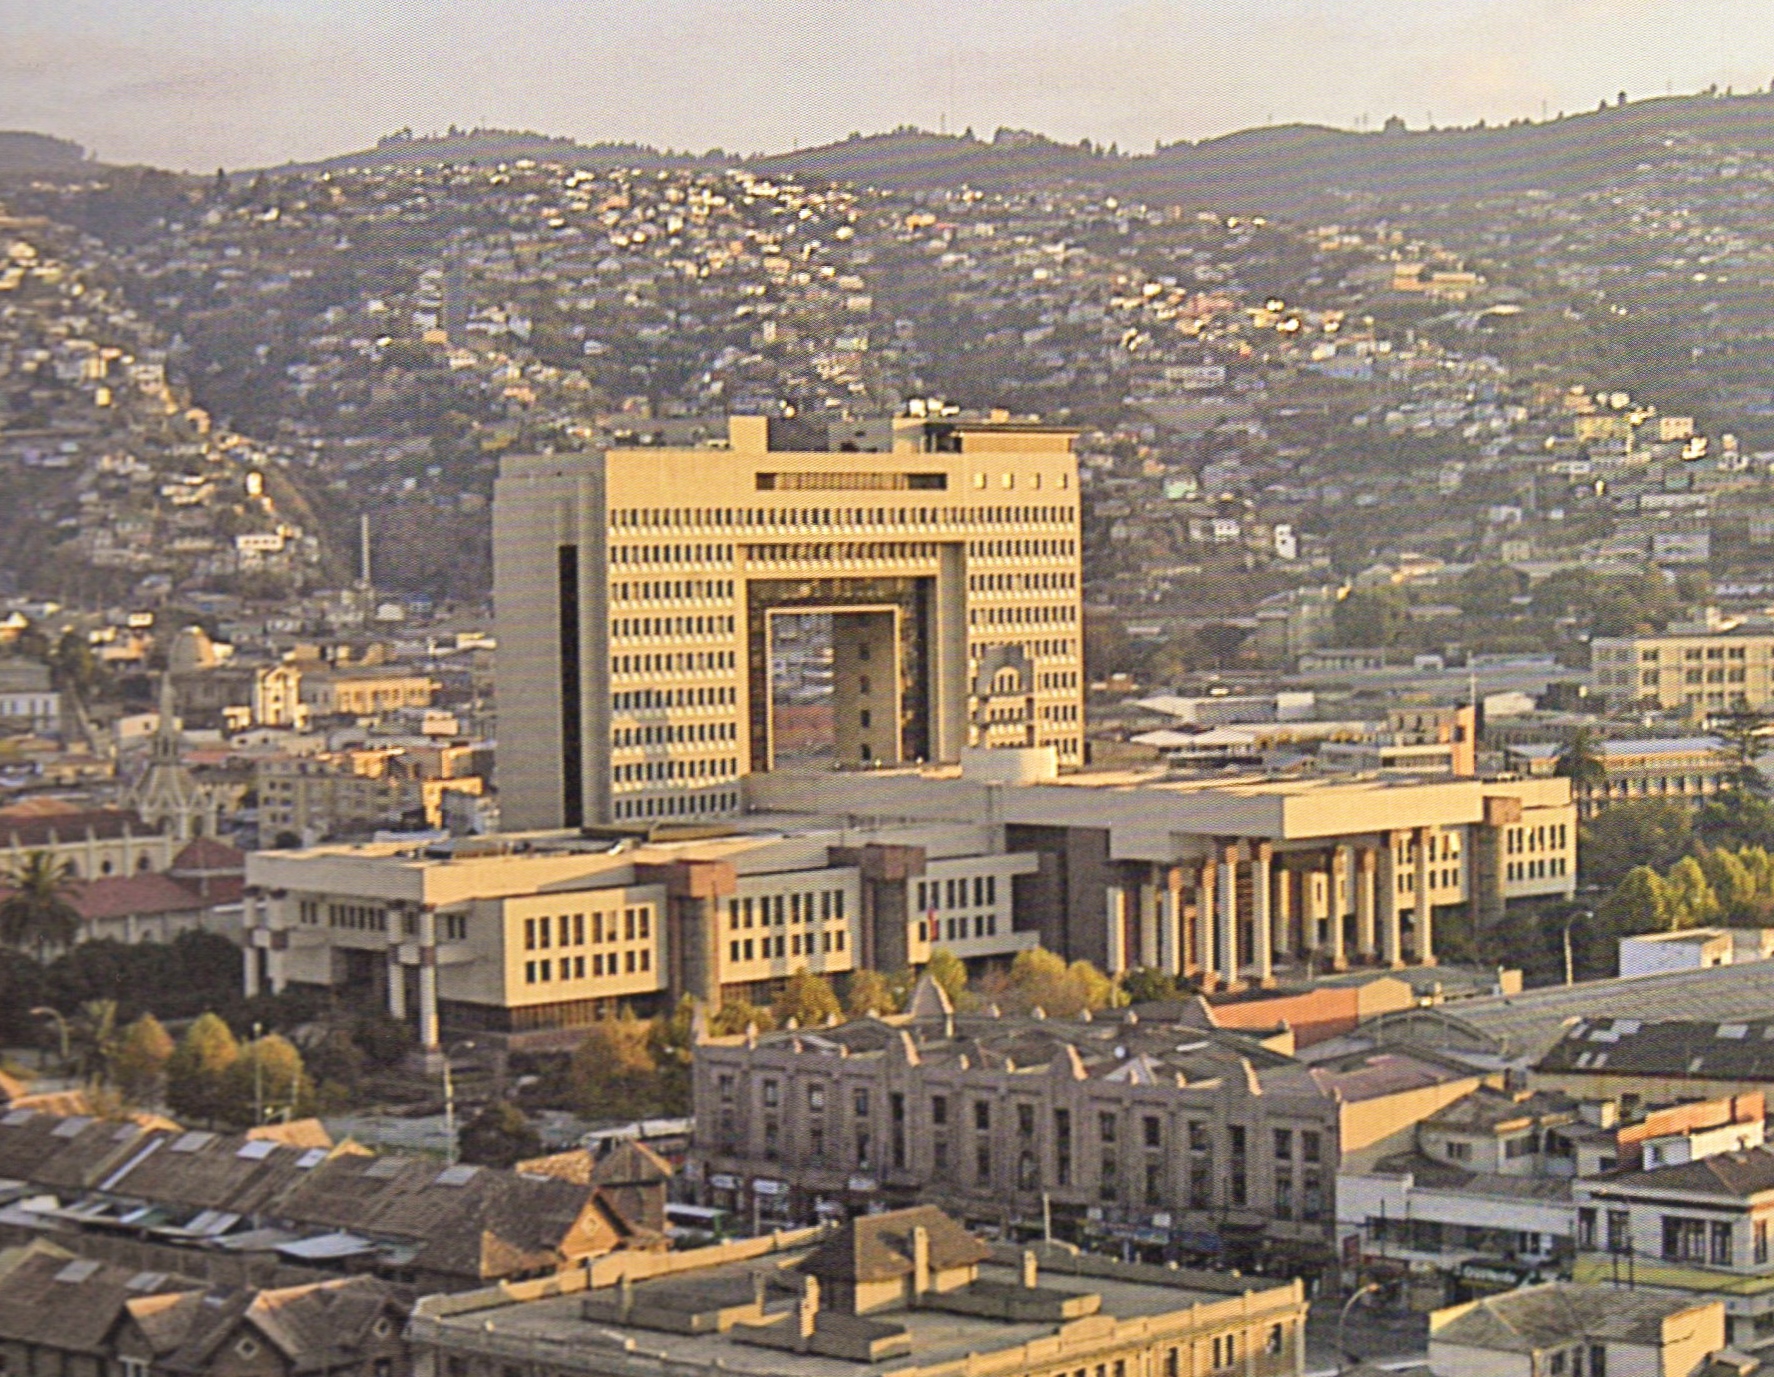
1425 952
1284 909
1171 939
1364 903
252 914
1261 919
397 986
1391 936
1342 885
1115 924
1146 898
277 940
1201 929
1226 939
428 1031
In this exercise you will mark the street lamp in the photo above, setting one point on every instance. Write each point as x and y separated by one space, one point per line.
1343 1318
1584 914
44 1011
449 1089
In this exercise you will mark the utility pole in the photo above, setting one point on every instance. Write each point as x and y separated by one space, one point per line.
258 1074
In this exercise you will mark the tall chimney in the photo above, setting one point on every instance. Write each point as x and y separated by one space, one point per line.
920 1261
1031 1270
807 1312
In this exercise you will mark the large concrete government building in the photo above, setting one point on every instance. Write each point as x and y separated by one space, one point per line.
649 599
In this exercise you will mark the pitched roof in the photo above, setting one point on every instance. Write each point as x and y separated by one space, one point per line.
878 1247
318 1325
28 831
1739 1175
50 1297
1704 1049
140 896
1537 1317
208 854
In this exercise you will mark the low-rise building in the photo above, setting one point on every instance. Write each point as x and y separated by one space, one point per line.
91 842
1580 1331
1184 1140
908 1290
1713 671
1639 1061
366 692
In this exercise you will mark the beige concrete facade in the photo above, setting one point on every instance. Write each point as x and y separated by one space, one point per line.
1224 882
635 588
1715 672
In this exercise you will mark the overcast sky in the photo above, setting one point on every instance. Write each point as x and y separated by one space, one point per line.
205 83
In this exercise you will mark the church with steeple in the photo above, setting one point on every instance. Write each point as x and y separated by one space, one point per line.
167 794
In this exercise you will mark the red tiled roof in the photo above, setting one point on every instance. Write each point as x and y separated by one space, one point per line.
120 896
208 854
35 830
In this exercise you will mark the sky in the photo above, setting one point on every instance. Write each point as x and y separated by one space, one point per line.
200 84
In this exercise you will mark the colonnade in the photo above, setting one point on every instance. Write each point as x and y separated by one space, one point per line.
1230 918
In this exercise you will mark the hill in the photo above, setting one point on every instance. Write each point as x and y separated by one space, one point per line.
25 152
482 146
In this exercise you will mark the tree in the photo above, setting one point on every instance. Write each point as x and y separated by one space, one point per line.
870 992
93 1039
1581 761
613 1069
949 971
38 914
498 1136
736 1015
1041 979
1652 832
1488 590
1148 985
194 1071
1220 642
1369 617
265 1081
808 999
1692 902
1640 903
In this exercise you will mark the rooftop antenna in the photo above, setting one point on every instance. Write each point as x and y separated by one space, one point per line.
363 557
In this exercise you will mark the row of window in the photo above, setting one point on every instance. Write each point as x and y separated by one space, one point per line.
1021 616
571 929
680 806
787 944
655 590
673 734
700 696
1547 837
672 626
955 929
671 554
675 662
1021 583
778 910
542 971
952 893
1406 880
655 771
1543 868
630 518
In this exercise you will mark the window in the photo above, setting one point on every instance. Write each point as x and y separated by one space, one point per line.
772 1092
1761 1240
860 1098
1586 1226
1459 1152
1025 1120
1198 1141
982 1115
133 1367
1619 1231
1277 1340
1721 1243
1309 1145
1684 1240
1105 1127
982 1162
939 1109
1598 1360
1284 1144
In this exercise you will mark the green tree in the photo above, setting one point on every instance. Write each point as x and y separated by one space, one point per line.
93 1039
1581 761
38 915
1487 590
1041 979
1219 642
736 1015
1692 902
1148 985
1736 817
1653 832
498 1136
808 999
196 1067
870 991
267 1080
613 1070
1640 903
1369 617
948 971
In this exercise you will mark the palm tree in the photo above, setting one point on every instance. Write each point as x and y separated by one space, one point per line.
38 913
1581 762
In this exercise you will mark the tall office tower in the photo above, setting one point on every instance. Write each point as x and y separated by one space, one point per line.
671 620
